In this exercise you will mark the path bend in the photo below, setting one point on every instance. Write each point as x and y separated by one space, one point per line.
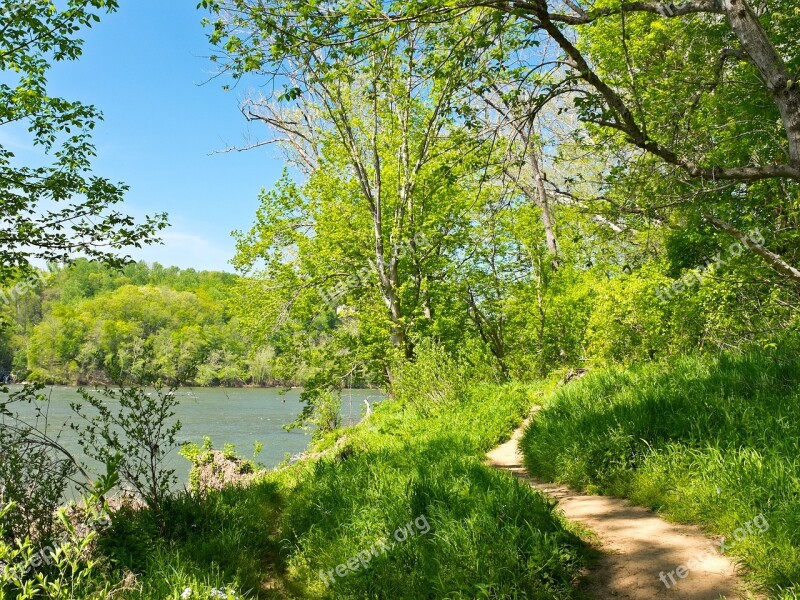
641 553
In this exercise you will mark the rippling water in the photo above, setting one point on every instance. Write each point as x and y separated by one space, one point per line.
237 416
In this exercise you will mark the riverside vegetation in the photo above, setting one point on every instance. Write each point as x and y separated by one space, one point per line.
480 199
417 455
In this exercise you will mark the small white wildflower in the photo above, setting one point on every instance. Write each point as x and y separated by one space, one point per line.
187 593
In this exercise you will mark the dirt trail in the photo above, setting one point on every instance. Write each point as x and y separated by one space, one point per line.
637 546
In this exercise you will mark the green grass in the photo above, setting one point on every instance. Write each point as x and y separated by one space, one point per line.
707 440
223 540
489 535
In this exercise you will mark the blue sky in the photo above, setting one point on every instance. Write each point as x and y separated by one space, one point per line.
143 67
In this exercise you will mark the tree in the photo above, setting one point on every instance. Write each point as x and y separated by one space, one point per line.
400 143
382 147
686 85
692 90
92 318
55 211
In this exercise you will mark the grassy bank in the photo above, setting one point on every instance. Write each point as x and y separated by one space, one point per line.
711 440
472 532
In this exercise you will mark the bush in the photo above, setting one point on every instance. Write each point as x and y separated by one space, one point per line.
322 406
35 470
433 380
133 429
64 566
40 376
630 322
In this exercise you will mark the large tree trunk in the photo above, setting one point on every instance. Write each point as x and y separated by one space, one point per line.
779 82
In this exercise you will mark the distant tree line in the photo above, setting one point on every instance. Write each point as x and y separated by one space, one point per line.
73 325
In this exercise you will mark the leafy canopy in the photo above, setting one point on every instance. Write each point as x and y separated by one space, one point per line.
58 208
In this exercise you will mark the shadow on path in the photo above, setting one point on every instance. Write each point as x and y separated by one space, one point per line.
641 553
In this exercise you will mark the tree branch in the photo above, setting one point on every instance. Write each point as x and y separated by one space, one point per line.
774 260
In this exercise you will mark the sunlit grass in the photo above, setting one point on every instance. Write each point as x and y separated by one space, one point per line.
490 536
712 440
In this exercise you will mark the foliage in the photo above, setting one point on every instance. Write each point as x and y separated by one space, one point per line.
63 571
432 382
81 320
58 210
132 428
325 409
366 248
653 130
488 192
629 322
64 565
709 440
35 469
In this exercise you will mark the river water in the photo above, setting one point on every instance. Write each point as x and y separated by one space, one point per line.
239 416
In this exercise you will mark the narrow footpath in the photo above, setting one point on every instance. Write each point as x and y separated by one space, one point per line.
643 557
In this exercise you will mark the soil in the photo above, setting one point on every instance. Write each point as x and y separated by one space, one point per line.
642 556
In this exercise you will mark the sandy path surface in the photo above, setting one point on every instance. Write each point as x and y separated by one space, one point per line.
643 556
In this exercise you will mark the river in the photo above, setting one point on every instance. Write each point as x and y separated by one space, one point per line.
239 416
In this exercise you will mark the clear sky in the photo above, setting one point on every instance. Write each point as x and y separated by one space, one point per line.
144 67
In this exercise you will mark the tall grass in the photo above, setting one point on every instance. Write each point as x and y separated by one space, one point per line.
224 540
707 440
489 535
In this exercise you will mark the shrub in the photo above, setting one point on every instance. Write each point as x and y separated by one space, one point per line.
433 380
35 469
134 429
64 566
